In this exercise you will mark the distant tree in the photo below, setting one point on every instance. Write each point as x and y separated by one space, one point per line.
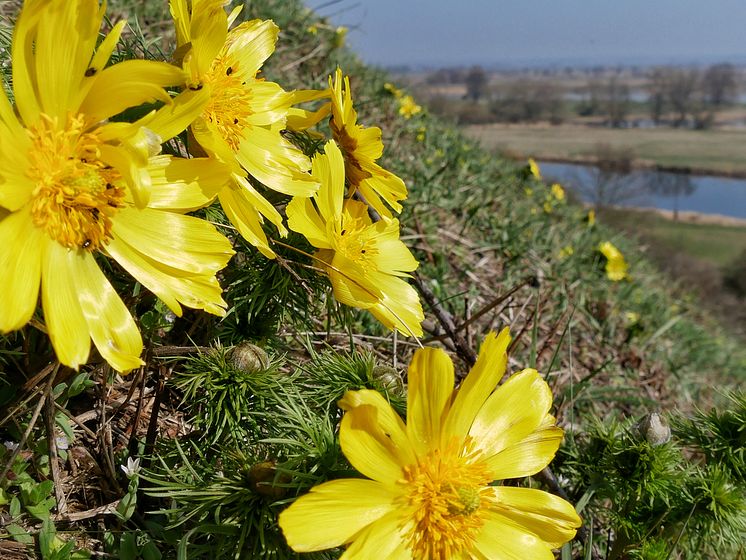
616 101
656 88
674 185
719 83
526 100
476 83
681 86
592 99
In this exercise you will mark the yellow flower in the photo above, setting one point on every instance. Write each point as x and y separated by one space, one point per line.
366 262
534 168
243 121
547 207
395 91
558 192
421 134
528 191
591 218
340 34
616 266
428 492
76 186
312 29
566 251
362 147
407 107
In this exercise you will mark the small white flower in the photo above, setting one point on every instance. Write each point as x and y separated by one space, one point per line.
132 467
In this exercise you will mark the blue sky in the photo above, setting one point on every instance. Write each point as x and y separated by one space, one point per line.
448 32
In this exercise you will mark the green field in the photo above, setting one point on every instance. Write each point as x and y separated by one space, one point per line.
718 245
715 151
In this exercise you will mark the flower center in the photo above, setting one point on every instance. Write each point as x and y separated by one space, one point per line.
347 144
445 489
352 242
230 101
76 195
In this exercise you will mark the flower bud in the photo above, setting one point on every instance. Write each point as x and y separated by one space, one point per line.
248 357
654 429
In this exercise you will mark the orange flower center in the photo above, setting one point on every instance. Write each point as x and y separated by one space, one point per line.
445 491
230 101
347 144
76 195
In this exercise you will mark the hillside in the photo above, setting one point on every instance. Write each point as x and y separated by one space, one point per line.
230 419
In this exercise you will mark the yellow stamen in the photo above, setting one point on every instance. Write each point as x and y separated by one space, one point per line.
352 243
444 489
76 195
230 100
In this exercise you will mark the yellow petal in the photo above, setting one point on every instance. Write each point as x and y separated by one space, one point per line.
332 513
185 184
131 168
479 384
180 14
430 388
208 30
23 67
328 170
527 456
67 327
175 117
512 412
501 538
20 269
304 218
269 104
243 216
252 42
112 328
276 163
547 516
172 286
393 256
389 421
368 447
386 538
386 186
128 84
399 307
64 42
185 243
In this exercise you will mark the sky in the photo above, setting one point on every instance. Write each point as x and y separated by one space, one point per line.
514 32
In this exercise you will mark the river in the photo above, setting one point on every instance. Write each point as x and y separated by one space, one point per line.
669 191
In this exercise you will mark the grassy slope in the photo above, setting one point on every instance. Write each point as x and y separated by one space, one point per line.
491 252
719 151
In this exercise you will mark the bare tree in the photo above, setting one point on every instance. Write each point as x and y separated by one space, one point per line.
656 87
719 84
616 101
681 88
476 83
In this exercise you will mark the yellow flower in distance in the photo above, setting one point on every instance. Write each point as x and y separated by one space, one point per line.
616 266
558 192
533 168
243 121
408 108
428 492
75 186
366 262
362 147
591 218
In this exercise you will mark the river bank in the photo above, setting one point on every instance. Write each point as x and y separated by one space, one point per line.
717 152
